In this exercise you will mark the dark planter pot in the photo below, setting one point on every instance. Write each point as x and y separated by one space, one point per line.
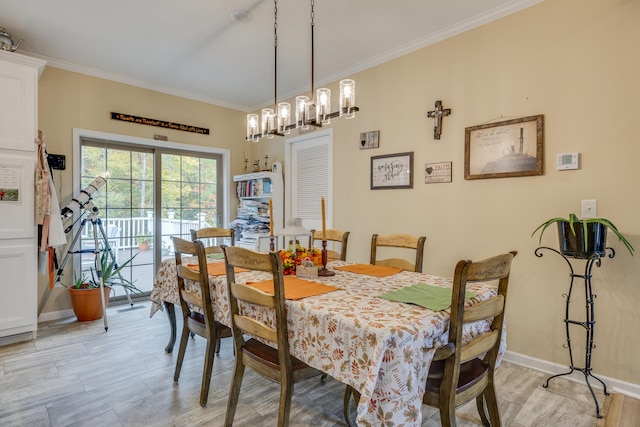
575 246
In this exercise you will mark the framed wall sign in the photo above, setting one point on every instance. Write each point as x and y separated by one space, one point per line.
369 139
437 172
16 194
392 171
504 149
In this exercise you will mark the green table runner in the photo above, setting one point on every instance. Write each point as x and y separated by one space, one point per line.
434 298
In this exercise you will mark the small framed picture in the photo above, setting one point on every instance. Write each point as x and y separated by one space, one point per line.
504 149
437 172
369 139
392 171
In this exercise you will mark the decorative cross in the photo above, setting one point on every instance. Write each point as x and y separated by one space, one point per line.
437 118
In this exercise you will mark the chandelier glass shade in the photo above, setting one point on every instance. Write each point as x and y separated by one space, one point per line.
308 112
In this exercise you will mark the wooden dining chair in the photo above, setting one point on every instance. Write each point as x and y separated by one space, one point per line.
273 361
333 237
405 241
197 310
214 237
462 372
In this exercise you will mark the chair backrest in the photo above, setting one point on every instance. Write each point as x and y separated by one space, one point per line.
461 372
189 299
494 268
333 236
242 324
113 231
406 241
214 237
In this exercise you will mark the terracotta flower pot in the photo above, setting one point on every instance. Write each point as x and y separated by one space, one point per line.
87 304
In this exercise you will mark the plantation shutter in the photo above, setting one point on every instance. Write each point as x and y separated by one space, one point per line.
311 172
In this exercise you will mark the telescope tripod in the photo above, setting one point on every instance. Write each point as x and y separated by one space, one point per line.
100 245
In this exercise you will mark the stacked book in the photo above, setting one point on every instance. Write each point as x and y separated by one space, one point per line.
251 222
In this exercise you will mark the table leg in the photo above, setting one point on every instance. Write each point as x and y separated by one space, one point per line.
171 314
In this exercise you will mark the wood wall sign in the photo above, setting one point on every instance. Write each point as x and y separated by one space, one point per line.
158 123
504 149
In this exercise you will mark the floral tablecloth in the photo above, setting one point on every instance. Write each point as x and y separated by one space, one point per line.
382 348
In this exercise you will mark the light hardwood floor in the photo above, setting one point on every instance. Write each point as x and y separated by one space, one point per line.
76 374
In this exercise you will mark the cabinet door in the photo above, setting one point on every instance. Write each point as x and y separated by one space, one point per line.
18 305
18 109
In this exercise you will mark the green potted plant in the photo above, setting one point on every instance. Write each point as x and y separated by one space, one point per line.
85 292
143 242
581 238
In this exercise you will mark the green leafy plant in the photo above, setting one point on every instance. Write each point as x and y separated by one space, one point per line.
573 219
110 271
143 239
81 282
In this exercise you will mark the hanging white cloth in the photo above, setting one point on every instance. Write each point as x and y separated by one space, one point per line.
47 207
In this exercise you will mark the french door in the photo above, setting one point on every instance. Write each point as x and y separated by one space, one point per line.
151 194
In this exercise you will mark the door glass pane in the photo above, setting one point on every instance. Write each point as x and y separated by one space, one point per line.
124 214
189 188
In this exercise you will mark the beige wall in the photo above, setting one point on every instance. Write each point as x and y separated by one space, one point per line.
69 100
575 61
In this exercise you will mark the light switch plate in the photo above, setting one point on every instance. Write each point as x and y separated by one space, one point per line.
567 161
589 209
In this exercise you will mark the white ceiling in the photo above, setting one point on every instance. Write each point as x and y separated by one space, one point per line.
192 48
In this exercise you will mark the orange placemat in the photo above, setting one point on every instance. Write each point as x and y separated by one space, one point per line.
216 268
295 288
370 270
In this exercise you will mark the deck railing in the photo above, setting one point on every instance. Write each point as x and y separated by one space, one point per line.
124 233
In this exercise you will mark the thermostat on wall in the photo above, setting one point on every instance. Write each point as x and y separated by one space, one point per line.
567 161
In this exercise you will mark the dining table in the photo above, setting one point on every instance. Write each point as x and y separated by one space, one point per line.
380 347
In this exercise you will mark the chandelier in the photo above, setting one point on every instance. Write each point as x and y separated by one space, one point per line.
314 112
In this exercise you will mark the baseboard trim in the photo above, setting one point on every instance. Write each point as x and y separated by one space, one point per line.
12 339
55 315
613 385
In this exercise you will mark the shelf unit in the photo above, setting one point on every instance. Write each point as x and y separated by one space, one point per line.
254 190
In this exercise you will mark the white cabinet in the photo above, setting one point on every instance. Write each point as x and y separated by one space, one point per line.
18 232
254 191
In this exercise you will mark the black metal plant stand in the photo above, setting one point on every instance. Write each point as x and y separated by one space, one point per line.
589 322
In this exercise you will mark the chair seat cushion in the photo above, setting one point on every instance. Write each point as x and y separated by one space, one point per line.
470 373
268 355
222 330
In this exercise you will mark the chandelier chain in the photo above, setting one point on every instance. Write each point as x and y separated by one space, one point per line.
313 89
275 55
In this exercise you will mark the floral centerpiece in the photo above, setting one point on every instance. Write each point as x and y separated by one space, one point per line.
291 259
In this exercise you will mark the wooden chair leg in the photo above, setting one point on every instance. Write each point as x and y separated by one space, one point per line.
349 392
209 357
492 404
482 410
447 409
286 391
234 393
218 345
184 339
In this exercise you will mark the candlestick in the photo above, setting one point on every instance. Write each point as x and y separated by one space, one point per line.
324 271
271 217
324 228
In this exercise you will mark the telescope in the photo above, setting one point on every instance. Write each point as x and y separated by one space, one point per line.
82 199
